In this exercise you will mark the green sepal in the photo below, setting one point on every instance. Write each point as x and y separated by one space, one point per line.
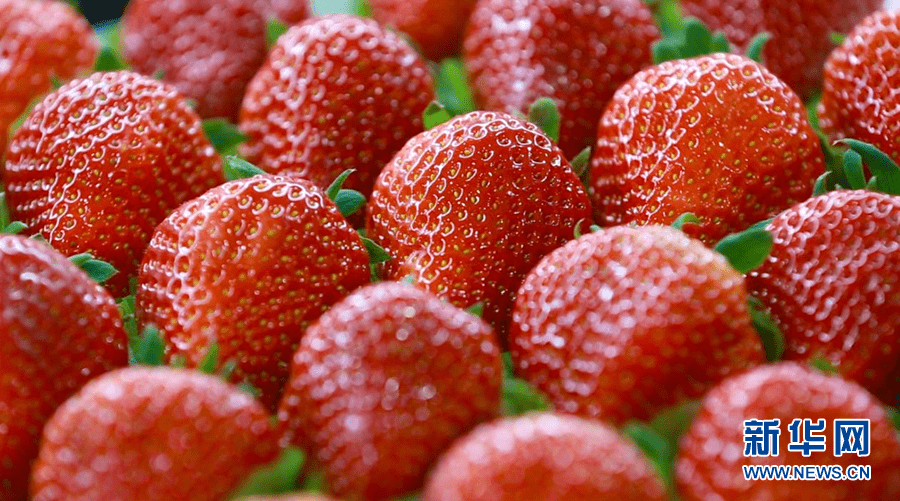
179 361
879 164
314 481
771 335
476 309
249 389
224 135
545 114
227 369
99 271
451 86
659 438
435 114
149 349
761 225
278 477
595 227
693 39
14 228
667 15
408 279
237 168
581 164
377 254
210 361
837 38
821 186
108 60
335 187
824 366
683 219
894 416
349 202
362 9
746 250
853 169
755 49
129 321
275 28
110 57
56 82
519 397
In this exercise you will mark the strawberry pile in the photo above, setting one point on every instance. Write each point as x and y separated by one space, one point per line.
447 250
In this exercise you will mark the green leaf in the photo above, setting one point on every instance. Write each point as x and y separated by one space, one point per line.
349 201
362 9
853 169
719 43
126 309
332 191
755 49
683 219
451 86
14 228
4 209
664 51
377 254
519 397
314 481
248 388
771 335
150 348
746 250
279 477
581 164
824 366
762 224
238 168
879 164
894 416
211 361
107 60
667 16
111 56
697 37
275 28
659 450
99 271
223 135
435 114
227 369
821 186
545 114
56 82
476 309
837 38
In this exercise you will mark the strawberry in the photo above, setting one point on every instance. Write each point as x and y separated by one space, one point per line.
543 456
858 99
103 160
711 453
39 40
578 53
288 11
832 284
718 136
208 49
468 207
625 322
800 30
336 93
58 329
248 266
435 25
383 382
143 433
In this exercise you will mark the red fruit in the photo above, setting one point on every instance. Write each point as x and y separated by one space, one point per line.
832 284
58 329
717 136
336 93
144 433
625 322
436 26
287 11
859 99
801 31
39 40
471 205
101 161
384 382
543 456
711 453
248 266
577 53
208 49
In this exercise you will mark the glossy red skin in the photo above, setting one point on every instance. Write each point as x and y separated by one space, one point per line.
801 32
288 11
859 100
468 207
103 189
436 26
543 456
577 53
314 111
832 284
208 49
151 433
249 265
58 329
710 454
626 322
42 40
384 382
718 136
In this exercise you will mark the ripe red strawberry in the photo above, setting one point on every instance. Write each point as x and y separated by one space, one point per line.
471 205
39 40
101 161
801 31
208 49
384 382
144 433
717 136
543 456
832 284
336 93
711 453
288 11
625 322
578 53
859 99
249 265
58 329
435 25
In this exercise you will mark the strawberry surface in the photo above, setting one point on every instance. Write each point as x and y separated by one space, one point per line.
248 266
103 160
383 382
58 329
625 322
718 136
468 207
436 26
